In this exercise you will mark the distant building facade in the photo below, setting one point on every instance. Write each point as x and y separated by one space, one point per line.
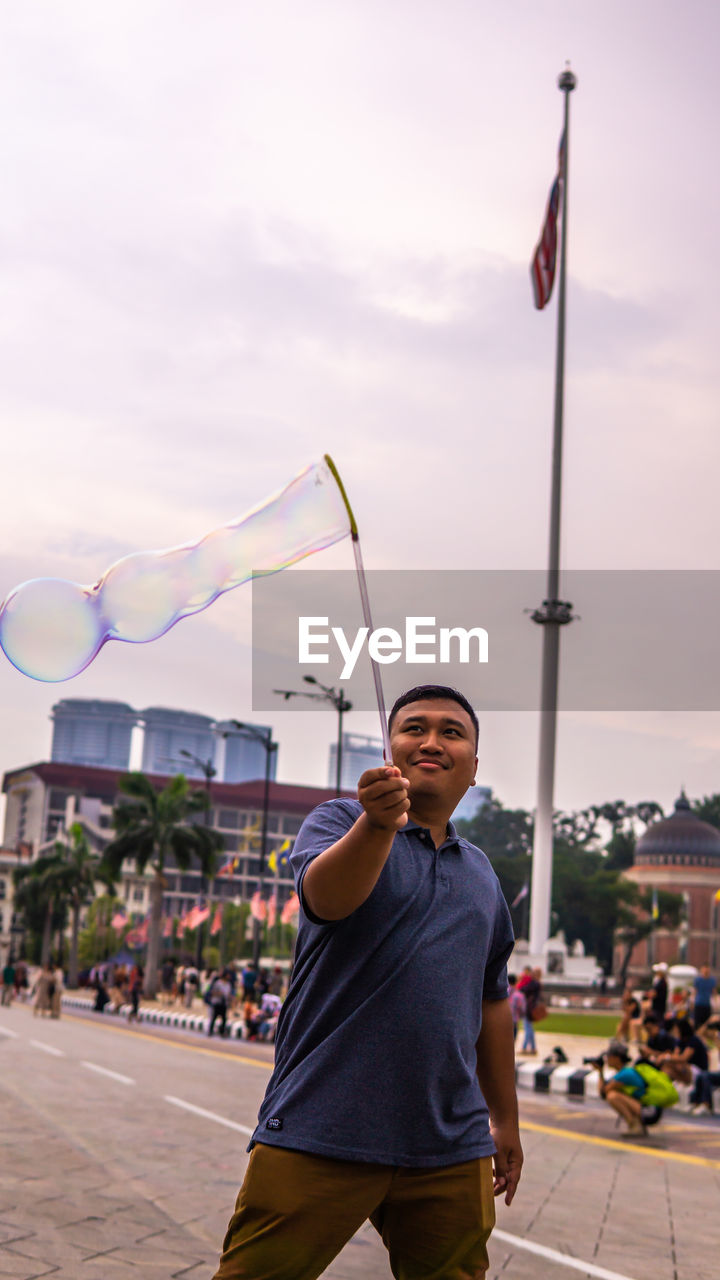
98 733
680 854
43 799
92 731
245 756
168 733
358 753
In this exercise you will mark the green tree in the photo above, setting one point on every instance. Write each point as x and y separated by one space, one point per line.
636 921
98 940
83 869
708 809
150 826
41 890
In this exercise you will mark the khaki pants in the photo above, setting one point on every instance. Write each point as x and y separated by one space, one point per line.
295 1212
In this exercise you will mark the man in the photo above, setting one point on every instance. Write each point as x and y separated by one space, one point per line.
8 981
394 1075
704 985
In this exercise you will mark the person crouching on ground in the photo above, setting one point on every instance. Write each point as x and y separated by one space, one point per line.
394 1076
624 1090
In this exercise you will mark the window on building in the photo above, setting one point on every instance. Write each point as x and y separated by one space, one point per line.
138 893
3 889
228 819
291 825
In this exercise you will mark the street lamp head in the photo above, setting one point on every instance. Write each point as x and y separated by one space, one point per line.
309 679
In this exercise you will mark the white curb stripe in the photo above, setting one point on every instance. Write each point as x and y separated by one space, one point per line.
553 1255
105 1071
48 1048
5 1031
208 1115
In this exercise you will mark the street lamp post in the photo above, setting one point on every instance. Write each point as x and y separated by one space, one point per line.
209 771
341 705
252 731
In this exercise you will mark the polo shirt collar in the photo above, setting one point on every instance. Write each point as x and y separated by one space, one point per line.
451 837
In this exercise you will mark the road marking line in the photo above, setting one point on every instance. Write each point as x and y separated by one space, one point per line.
554 1255
208 1115
175 1044
5 1031
613 1144
48 1048
105 1071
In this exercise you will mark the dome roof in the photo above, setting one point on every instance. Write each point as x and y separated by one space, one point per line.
681 836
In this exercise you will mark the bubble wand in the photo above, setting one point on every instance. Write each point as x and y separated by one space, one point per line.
52 629
365 603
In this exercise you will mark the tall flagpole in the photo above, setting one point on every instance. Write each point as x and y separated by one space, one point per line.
555 613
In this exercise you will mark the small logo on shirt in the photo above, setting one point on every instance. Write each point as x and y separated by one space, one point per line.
274 1123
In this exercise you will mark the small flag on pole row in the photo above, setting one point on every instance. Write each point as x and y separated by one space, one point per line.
271 910
291 909
216 925
542 267
258 907
519 897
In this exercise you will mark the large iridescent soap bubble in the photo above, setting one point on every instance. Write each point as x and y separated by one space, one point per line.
51 629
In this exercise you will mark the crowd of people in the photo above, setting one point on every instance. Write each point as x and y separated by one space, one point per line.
230 991
673 1035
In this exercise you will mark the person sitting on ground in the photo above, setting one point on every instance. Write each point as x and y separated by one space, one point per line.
657 1040
688 1059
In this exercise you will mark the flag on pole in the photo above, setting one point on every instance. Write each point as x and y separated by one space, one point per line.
273 862
542 267
167 927
271 910
216 925
119 920
717 896
522 894
291 909
655 905
258 907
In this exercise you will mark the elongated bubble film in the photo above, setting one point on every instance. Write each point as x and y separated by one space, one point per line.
51 629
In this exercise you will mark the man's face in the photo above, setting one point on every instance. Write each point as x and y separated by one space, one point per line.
433 744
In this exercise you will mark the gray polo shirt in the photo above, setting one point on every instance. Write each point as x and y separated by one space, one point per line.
375 1047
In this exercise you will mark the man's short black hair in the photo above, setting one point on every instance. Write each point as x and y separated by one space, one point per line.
428 692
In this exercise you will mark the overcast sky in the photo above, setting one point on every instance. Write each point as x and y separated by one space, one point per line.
236 236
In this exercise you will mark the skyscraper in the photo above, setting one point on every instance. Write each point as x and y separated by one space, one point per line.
245 756
168 733
92 732
358 754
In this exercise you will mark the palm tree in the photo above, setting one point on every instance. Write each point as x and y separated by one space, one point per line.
149 826
41 894
84 868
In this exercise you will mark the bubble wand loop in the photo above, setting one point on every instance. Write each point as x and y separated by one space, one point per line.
365 602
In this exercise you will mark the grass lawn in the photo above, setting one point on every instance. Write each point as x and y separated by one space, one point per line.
580 1024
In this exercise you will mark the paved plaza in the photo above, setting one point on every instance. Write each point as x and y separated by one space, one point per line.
123 1149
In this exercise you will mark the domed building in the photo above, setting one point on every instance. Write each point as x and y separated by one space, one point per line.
680 854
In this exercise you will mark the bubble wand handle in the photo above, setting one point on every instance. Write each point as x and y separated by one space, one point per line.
365 602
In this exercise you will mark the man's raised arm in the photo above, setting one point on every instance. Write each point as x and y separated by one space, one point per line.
340 878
